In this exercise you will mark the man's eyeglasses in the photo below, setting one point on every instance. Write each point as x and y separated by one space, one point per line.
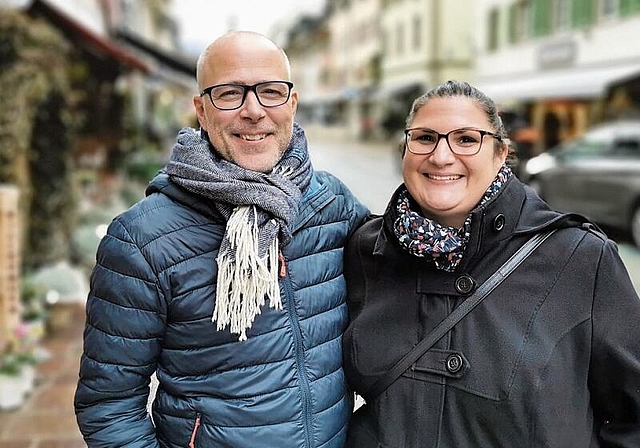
232 96
463 142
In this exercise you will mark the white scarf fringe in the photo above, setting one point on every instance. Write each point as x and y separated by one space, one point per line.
244 283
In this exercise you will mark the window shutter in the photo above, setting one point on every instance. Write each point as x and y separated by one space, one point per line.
629 7
494 29
541 17
513 23
582 13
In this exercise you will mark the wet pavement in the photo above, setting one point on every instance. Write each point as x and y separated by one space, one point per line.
47 419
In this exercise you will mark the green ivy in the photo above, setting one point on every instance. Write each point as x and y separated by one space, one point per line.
37 131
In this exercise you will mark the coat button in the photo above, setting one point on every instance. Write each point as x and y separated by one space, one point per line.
464 284
498 222
454 363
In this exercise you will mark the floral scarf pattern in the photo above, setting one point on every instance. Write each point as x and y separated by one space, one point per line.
443 245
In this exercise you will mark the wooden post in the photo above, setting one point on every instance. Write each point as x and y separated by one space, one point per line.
10 305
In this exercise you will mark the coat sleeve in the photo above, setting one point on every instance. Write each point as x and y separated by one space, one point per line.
614 378
125 321
355 277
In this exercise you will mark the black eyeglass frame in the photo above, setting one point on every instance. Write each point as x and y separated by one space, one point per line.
246 89
446 139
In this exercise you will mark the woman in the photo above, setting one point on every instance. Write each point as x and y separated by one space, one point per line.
550 358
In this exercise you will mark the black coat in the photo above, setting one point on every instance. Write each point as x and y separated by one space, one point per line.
551 358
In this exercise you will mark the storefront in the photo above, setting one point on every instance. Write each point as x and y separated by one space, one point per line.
562 103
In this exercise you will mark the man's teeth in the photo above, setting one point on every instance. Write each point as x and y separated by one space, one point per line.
449 177
254 137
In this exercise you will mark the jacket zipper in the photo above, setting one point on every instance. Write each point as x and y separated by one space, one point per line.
298 346
196 426
283 265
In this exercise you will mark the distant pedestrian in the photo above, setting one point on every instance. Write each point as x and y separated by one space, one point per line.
552 126
550 358
226 280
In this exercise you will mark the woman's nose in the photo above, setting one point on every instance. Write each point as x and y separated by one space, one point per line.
442 153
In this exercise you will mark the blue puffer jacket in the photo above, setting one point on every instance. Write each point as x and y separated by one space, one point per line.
149 310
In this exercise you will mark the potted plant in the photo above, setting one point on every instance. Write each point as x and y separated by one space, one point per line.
12 384
17 368
34 311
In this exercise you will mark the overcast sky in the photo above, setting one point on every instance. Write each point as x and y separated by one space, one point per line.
201 21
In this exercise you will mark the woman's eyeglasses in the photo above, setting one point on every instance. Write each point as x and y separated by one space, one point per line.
463 142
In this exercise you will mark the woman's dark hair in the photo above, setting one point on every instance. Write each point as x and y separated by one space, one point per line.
454 88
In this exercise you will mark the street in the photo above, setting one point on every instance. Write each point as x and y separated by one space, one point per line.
371 170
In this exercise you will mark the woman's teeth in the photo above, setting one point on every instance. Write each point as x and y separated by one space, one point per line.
439 177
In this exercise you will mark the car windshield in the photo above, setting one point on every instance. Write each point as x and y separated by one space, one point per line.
587 146
608 140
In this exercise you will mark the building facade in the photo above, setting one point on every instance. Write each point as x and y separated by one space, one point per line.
554 64
424 43
378 55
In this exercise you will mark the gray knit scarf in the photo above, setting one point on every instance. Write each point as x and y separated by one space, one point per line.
260 208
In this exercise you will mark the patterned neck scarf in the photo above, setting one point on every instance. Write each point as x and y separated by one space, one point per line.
443 245
260 208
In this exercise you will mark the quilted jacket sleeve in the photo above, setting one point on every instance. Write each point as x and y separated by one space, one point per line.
359 215
122 337
358 211
614 380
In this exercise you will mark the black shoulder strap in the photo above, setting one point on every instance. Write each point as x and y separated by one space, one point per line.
462 310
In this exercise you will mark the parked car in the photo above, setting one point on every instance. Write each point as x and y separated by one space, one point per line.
597 175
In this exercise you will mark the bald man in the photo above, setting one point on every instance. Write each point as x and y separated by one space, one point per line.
226 280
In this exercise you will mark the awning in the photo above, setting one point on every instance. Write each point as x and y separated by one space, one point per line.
395 90
346 94
572 83
631 81
172 61
94 42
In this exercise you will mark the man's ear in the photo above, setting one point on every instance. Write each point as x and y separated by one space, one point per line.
294 102
198 104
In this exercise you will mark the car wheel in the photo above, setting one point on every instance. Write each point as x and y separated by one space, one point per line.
635 225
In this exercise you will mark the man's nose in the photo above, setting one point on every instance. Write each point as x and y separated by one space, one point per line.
252 107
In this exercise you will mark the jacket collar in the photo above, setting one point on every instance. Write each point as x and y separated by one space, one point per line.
317 196
162 184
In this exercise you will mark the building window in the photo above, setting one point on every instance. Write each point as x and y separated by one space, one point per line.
519 21
525 20
399 39
385 42
493 23
608 9
562 14
417 33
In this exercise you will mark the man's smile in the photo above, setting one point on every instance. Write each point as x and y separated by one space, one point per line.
252 137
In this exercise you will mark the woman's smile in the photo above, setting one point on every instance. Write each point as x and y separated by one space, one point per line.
443 177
